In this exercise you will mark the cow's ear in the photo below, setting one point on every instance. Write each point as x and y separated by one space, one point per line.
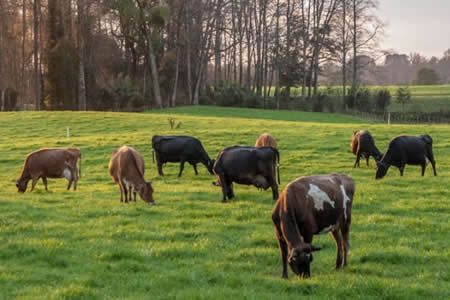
315 248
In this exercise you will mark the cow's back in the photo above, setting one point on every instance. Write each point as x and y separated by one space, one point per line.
48 161
409 149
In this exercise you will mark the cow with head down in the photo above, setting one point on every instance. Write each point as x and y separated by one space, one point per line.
308 206
363 145
403 150
180 149
247 165
50 163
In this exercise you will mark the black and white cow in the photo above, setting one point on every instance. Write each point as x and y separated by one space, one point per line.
247 165
308 206
180 149
411 150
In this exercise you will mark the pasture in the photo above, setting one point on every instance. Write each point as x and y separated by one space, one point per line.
86 244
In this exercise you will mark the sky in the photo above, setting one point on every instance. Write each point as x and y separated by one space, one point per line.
416 26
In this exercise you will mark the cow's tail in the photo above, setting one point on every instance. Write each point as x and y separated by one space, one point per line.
153 155
427 139
277 162
79 169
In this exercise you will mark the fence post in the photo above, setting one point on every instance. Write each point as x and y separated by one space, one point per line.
389 118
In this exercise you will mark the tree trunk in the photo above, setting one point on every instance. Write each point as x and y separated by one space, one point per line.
37 77
24 30
177 71
277 56
81 57
354 77
154 71
344 50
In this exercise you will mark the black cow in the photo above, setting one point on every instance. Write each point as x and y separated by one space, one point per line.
180 149
363 145
247 165
403 149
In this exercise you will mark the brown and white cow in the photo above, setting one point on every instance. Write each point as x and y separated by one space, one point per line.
308 206
50 163
127 169
266 140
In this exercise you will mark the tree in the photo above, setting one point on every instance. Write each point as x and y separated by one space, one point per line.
426 76
382 99
403 96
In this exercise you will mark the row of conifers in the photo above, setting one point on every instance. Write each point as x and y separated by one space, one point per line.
308 205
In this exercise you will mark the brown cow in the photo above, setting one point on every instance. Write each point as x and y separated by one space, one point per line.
50 163
363 145
308 206
127 168
266 139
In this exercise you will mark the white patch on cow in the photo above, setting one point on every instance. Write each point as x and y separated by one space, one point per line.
331 179
67 174
327 229
319 197
345 199
127 183
427 161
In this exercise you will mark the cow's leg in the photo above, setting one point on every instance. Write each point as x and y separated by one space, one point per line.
223 184
230 190
402 168
125 192
121 192
181 167
134 193
338 238
345 229
33 182
274 186
281 243
430 157
195 168
44 181
423 165
367 160
160 164
74 177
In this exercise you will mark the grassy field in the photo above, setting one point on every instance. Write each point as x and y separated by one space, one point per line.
87 245
424 98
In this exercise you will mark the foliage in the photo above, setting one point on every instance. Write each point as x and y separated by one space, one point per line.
120 94
426 76
230 94
87 245
403 96
360 99
382 99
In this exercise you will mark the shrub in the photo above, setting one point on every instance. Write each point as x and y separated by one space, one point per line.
382 99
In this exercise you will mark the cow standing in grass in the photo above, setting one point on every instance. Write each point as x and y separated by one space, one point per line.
266 140
411 150
180 149
247 165
127 169
363 145
308 206
50 163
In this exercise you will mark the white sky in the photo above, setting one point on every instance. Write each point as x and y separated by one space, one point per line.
416 26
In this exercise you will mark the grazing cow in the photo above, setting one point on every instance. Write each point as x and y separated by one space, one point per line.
50 163
308 206
180 149
247 165
411 150
127 169
363 145
266 140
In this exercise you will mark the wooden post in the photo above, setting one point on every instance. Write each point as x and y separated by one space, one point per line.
389 117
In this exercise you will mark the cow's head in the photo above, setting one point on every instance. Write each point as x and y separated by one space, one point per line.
21 185
381 170
210 166
300 258
146 192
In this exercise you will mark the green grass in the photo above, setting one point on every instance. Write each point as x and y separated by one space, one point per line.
424 98
86 244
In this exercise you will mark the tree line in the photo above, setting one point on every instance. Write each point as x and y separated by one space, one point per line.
126 55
